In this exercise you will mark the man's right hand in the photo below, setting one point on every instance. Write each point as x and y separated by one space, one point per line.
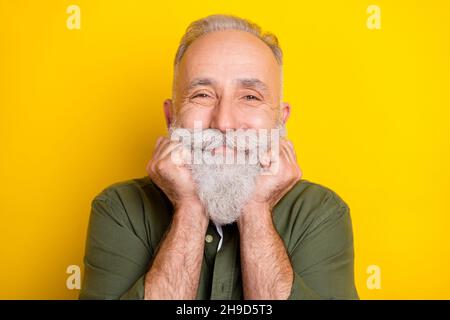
175 271
173 177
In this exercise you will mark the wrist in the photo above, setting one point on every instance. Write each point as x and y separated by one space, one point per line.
257 214
189 205
257 205
190 215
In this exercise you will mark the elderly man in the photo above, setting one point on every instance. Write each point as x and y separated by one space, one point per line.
211 230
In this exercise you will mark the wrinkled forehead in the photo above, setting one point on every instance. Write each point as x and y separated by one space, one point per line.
226 57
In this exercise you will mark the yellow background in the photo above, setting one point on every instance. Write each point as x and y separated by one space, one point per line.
81 109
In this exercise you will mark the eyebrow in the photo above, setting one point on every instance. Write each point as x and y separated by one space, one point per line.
254 83
198 82
248 83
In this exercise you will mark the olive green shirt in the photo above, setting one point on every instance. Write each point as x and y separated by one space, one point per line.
129 219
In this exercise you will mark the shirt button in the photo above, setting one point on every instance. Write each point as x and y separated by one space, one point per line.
209 238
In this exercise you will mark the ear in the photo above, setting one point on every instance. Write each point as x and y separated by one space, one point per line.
168 104
285 112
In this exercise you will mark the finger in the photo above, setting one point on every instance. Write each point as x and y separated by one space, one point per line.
160 143
168 148
289 151
274 165
293 156
285 154
265 159
159 148
292 150
180 155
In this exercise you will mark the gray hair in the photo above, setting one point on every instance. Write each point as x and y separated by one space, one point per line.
219 22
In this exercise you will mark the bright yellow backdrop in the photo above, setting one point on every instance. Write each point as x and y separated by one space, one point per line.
81 109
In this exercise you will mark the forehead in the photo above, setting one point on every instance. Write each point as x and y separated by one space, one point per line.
227 56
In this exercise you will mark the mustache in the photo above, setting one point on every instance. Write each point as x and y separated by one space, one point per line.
208 139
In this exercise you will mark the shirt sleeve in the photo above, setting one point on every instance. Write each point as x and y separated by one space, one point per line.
116 258
323 257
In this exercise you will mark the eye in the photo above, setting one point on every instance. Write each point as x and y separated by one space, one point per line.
201 95
251 97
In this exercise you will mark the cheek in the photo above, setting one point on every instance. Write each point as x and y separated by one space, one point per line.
260 119
188 116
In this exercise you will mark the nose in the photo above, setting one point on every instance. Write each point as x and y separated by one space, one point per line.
223 116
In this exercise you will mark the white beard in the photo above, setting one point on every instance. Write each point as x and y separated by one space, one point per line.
224 189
